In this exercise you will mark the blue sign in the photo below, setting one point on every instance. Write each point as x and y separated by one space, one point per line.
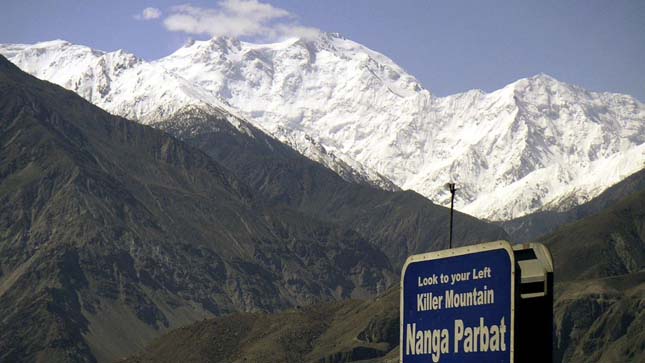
458 305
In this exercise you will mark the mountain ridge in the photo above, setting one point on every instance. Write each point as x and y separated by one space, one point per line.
529 146
291 85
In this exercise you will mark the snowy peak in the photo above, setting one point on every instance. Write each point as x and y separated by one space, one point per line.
559 142
203 51
282 64
604 119
536 142
118 81
61 59
329 88
541 79
87 71
55 60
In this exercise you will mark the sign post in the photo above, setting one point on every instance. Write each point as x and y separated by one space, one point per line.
534 310
458 305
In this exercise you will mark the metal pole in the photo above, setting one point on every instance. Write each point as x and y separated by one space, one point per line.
452 206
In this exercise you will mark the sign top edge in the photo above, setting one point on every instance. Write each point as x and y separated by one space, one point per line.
460 251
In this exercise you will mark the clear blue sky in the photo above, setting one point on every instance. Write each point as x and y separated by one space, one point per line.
450 46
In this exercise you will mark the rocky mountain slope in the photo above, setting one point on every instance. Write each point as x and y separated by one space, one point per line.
600 284
606 244
598 309
596 321
537 144
398 223
340 332
601 320
112 232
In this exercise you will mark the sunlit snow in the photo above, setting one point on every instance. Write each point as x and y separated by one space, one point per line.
537 143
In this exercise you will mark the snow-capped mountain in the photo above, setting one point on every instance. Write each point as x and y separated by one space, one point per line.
125 85
537 143
531 145
118 82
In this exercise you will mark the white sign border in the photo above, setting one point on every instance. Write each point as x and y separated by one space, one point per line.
460 251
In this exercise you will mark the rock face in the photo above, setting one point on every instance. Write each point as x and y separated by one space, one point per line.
326 333
537 144
113 232
601 320
398 223
610 243
600 283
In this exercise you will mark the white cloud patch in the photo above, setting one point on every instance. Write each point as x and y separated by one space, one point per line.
236 18
148 14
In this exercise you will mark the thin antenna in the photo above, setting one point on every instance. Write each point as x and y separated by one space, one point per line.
453 189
